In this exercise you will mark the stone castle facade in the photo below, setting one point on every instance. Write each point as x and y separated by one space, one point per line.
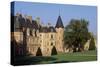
30 36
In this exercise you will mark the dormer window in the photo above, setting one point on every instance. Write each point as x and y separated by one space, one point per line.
51 30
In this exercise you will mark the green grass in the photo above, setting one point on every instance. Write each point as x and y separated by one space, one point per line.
75 57
60 58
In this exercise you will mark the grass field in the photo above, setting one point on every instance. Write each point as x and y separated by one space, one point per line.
60 58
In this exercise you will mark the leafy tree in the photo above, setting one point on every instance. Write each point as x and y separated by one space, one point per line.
92 44
76 34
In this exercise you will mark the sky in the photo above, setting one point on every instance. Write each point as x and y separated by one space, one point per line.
49 13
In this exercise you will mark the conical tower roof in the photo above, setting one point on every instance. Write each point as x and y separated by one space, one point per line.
59 23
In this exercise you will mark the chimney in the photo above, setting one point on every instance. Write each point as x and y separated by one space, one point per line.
30 18
49 24
17 14
38 20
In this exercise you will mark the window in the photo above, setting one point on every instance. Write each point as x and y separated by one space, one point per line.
31 32
28 32
51 44
51 36
35 33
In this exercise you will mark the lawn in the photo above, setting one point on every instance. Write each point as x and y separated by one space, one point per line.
60 58
74 57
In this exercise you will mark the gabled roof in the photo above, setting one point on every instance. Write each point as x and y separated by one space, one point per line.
59 23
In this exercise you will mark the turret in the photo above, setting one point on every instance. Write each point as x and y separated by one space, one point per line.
59 34
59 23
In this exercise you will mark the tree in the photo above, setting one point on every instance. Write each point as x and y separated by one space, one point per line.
39 53
76 34
54 51
92 44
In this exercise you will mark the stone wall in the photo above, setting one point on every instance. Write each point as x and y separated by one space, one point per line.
59 39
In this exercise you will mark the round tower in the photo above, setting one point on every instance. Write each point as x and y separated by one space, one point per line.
59 35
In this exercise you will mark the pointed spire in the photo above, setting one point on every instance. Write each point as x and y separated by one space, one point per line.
59 23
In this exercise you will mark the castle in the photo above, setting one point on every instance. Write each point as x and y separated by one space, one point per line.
30 36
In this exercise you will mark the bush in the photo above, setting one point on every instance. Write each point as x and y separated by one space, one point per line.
54 51
39 53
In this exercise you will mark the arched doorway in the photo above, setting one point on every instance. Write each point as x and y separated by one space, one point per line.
39 53
54 51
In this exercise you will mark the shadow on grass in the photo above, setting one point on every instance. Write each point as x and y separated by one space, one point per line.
63 61
27 60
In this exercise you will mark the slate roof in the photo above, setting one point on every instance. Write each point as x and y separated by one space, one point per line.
34 24
17 25
20 22
52 29
59 23
47 29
